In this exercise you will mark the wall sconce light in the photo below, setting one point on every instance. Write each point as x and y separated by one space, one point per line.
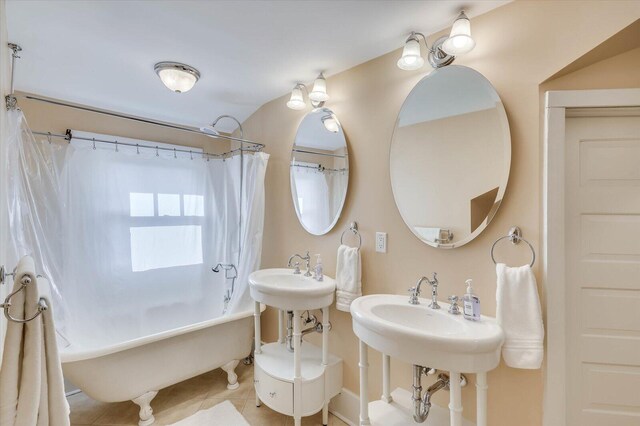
443 51
317 97
177 77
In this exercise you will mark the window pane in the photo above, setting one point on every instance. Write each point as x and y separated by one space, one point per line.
140 204
193 205
154 247
168 205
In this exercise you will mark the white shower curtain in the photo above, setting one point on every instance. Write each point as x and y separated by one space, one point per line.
128 237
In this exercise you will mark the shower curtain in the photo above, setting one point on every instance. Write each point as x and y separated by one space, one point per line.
128 236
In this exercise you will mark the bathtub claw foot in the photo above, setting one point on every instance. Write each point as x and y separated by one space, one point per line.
146 412
232 377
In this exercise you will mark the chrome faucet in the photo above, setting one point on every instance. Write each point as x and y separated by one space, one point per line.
415 291
306 258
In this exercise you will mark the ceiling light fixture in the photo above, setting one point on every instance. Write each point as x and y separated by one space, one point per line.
443 51
331 123
177 77
317 97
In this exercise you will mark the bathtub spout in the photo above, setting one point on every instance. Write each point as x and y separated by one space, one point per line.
232 377
146 412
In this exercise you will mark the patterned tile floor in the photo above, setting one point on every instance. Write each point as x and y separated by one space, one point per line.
186 398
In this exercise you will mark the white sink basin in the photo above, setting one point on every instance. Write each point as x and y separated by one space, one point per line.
283 289
420 335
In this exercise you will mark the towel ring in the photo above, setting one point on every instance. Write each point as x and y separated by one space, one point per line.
515 236
353 227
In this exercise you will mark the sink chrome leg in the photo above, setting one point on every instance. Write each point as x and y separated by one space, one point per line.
386 378
455 399
481 396
297 368
258 342
364 385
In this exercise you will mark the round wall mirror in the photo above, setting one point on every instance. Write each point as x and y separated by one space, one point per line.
450 156
319 171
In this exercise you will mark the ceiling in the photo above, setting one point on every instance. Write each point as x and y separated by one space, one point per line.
101 53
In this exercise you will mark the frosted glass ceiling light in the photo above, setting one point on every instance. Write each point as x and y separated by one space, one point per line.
319 92
411 56
296 101
459 41
177 77
331 123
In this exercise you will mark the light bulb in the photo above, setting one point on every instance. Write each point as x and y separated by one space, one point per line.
411 56
459 41
296 101
319 92
179 78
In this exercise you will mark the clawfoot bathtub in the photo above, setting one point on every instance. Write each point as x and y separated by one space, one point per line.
137 369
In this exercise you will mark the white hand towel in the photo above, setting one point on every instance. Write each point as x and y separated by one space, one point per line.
31 383
519 314
348 277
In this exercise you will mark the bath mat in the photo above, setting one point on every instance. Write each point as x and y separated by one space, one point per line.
223 414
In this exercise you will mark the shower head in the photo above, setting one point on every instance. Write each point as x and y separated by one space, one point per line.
211 131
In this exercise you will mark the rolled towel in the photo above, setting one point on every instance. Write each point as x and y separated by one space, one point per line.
348 277
518 312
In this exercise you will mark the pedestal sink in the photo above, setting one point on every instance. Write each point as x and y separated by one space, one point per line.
303 382
420 335
426 337
281 288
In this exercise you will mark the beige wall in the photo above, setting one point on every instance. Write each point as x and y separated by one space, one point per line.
519 46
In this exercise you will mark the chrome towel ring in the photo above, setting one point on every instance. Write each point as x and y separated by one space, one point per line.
515 236
353 227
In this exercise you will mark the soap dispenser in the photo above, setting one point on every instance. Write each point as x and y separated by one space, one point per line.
470 303
318 269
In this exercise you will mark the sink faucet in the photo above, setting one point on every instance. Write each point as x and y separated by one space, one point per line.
415 291
306 258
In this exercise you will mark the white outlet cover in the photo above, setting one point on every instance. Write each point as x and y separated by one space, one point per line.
381 242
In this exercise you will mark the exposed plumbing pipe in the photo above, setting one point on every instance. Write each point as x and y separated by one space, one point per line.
422 404
315 327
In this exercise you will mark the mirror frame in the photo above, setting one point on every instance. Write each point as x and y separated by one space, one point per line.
504 121
346 190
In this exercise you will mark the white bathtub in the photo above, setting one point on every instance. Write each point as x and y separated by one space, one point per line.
136 369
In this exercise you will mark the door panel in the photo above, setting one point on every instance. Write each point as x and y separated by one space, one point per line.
602 226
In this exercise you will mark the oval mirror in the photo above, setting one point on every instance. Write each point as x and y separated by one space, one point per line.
319 171
450 156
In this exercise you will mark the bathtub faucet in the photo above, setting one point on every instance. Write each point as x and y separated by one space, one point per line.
230 273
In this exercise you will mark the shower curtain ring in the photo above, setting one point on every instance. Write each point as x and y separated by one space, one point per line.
116 145
49 137
157 153
137 149
190 154
174 153
94 143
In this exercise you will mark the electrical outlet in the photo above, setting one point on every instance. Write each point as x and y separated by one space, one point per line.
381 242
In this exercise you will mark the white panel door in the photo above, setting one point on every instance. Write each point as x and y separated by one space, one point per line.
602 223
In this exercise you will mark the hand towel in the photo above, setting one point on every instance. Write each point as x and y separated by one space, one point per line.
518 312
348 276
31 383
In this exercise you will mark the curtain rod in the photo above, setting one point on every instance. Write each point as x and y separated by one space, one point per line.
134 118
303 151
68 136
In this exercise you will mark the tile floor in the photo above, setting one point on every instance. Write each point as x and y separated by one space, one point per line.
186 398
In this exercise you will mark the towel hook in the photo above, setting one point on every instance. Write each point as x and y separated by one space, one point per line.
515 236
353 227
26 280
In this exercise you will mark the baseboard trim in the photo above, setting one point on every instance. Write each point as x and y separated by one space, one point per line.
346 407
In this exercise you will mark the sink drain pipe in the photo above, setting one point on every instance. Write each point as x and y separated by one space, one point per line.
422 403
